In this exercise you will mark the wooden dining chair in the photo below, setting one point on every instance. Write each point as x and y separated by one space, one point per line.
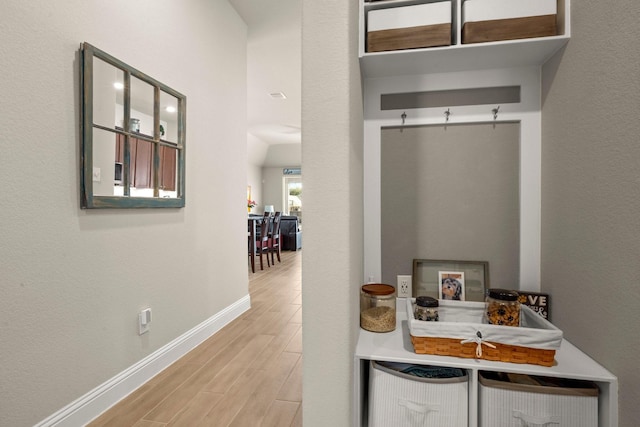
263 241
274 242
251 233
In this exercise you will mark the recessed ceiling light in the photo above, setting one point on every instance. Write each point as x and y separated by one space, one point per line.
118 85
170 109
278 95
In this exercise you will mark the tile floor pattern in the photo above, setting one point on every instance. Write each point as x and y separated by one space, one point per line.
248 374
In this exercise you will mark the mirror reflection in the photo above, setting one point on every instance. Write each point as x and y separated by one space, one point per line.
141 120
103 172
133 136
108 87
168 171
168 117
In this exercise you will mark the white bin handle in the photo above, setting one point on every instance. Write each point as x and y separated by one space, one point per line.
541 421
420 409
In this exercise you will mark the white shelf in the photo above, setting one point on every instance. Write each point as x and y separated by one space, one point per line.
458 56
396 347
512 54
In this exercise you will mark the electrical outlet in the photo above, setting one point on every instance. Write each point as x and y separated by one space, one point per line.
403 289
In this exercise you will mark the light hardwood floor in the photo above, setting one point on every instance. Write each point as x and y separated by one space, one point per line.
248 374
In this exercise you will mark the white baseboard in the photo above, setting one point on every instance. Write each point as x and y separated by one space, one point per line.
91 405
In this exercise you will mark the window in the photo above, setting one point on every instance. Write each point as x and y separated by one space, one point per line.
293 196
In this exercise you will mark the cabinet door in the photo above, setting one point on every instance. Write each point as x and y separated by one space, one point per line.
142 164
168 157
119 148
132 155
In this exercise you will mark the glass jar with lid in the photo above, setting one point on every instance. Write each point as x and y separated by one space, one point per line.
426 309
378 307
502 307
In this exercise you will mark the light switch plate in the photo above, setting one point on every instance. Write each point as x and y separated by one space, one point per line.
144 320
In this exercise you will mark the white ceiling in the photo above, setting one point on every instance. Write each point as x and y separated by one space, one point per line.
273 65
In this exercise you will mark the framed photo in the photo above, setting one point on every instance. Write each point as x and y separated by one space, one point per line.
451 285
426 278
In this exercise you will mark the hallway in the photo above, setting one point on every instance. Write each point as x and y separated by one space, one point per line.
247 374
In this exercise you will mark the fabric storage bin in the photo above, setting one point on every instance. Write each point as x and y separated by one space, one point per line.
400 399
409 27
494 20
522 400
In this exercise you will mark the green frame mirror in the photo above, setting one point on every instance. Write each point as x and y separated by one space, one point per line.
133 136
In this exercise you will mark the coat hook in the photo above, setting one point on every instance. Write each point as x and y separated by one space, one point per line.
403 116
447 114
495 112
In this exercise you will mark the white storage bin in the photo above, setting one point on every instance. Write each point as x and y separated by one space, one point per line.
409 27
493 20
489 10
529 402
397 399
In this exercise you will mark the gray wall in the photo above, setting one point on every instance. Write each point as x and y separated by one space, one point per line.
591 190
332 166
73 281
451 193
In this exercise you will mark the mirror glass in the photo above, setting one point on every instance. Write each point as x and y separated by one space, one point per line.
168 172
168 117
132 135
108 88
104 158
141 120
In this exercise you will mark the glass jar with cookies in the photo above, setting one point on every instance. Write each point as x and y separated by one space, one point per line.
502 307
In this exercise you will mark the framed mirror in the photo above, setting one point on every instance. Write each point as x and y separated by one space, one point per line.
133 137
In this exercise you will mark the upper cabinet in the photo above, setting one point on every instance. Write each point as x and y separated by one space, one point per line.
405 37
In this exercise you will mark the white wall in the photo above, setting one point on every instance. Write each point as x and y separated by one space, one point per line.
256 153
279 156
332 176
72 280
591 190
272 188
283 155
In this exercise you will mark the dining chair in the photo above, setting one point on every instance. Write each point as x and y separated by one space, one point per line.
263 240
274 243
251 233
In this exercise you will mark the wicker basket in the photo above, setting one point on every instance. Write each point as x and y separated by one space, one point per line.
500 343
502 352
